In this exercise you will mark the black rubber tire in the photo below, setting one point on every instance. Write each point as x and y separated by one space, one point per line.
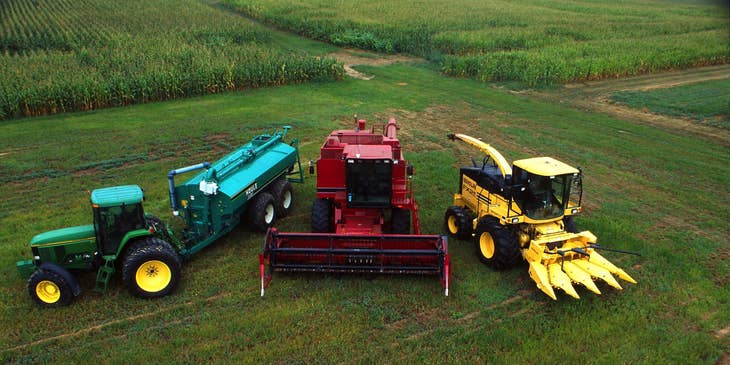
322 216
569 224
147 254
261 212
457 222
504 246
35 289
400 221
283 193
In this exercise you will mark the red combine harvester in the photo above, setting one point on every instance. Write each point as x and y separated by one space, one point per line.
361 219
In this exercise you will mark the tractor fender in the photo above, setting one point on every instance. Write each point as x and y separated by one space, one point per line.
70 279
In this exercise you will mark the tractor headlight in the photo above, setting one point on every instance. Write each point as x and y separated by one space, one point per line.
574 211
515 220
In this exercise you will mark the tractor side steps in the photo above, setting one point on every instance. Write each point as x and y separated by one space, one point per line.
105 274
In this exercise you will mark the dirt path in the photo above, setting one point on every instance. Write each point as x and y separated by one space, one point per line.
349 59
595 96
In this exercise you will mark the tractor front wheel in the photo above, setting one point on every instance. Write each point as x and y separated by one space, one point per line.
262 212
151 268
49 289
457 221
283 196
322 216
496 245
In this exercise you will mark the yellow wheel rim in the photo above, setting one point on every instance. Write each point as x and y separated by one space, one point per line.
486 245
48 291
453 227
153 276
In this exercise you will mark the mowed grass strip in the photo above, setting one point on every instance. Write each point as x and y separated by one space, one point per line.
536 42
60 56
707 102
662 194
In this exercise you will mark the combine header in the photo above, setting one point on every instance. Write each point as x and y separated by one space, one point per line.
528 210
361 218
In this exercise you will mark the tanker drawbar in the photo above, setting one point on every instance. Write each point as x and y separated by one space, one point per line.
365 217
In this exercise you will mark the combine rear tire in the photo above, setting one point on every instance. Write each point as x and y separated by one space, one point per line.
151 268
322 216
496 245
400 221
49 289
457 221
283 196
262 212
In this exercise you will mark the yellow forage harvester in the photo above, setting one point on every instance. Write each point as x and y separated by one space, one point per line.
527 210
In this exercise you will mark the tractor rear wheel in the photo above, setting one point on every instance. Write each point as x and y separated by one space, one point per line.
457 222
283 196
151 268
400 221
49 289
496 245
322 216
262 212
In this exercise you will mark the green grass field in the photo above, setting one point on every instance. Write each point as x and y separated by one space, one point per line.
59 56
706 102
536 42
662 194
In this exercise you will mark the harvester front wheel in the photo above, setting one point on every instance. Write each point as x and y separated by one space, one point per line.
151 268
283 196
400 221
458 222
49 289
322 216
496 245
262 212
569 224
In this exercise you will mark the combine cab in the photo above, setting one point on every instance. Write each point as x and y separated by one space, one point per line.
362 216
528 210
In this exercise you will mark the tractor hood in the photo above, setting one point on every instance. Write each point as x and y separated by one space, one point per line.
64 236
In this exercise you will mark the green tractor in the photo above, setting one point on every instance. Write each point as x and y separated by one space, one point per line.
150 266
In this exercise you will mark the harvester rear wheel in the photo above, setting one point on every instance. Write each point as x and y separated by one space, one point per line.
322 216
457 221
151 268
496 245
262 212
283 196
400 221
49 289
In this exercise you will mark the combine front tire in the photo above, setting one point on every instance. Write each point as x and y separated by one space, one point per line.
496 245
400 221
458 222
569 224
262 212
48 289
283 196
322 216
151 268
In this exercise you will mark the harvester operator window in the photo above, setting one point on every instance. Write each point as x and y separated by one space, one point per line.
542 196
369 183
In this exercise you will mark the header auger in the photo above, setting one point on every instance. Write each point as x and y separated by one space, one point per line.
527 209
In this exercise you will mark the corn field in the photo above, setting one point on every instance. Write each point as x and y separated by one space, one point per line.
63 55
536 41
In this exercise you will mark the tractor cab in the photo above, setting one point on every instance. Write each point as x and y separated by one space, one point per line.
544 188
117 211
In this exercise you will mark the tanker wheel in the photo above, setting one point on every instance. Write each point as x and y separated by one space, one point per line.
151 268
400 221
322 216
496 245
262 212
283 197
49 289
569 224
457 221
